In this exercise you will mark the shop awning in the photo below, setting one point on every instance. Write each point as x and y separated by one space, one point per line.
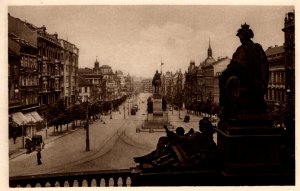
30 118
19 118
36 116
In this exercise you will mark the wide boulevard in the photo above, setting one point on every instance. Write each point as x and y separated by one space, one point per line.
113 144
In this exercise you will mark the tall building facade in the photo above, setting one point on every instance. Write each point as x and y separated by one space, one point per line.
208 75
194 84
202 82
276 88
40 72
69 59
23 84
167 86
50 66
147 86
98 88
289 47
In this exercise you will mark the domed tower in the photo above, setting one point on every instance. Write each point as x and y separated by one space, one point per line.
209 60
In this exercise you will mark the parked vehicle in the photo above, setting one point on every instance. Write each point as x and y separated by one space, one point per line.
33 143
133 111
186 118
135 107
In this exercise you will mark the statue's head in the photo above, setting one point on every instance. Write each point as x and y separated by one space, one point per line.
180 131
245 33
205 126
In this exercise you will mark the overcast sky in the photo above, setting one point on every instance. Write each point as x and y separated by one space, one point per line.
135 39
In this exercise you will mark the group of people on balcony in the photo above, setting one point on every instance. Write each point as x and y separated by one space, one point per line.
180 149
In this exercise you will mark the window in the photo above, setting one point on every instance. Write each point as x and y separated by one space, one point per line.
272 77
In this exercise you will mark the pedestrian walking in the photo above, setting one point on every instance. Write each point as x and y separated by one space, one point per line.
38 155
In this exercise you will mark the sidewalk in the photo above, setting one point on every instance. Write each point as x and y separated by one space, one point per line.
16 149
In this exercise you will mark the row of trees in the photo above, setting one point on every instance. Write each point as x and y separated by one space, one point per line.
58 115
202 107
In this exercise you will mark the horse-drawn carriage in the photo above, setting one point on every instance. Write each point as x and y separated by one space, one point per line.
32 143
186 118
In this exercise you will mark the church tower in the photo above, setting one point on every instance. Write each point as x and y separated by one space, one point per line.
209 50
209 60
96 64
96 68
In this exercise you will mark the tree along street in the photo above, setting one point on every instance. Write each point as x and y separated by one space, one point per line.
113 144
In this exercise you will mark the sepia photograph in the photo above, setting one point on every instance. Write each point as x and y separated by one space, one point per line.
149 94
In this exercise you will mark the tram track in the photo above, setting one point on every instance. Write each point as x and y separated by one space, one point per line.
119 136
107 145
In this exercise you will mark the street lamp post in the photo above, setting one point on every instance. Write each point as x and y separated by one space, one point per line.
23 139
111 108
172 104
87 145
46 128
124 110
128 106
180 105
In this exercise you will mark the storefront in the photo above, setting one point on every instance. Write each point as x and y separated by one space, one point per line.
27 122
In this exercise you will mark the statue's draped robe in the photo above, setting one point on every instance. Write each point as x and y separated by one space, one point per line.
244 83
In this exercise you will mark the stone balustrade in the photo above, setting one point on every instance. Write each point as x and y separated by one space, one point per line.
117 178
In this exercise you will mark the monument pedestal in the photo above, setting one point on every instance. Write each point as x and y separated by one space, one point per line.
156 120
249 146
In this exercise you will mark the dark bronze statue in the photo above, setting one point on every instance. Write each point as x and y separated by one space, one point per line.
244 83
195 149
164 104
149 105
156 82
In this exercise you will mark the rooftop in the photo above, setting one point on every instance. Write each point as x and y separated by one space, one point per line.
274 50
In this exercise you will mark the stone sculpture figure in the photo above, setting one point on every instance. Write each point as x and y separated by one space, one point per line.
149 105
156 82
164 104
244 83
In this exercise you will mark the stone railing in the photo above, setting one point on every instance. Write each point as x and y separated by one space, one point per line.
121 178
135 177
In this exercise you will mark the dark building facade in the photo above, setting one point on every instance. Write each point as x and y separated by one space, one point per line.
37 76
69 60
98 91
193 85
147 86
289 47
276 88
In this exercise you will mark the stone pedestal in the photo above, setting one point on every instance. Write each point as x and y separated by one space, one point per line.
157 106
249 146
156 120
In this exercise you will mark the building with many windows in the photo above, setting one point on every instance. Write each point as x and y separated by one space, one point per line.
96 79
42 71
86 89
194 84
167 86
50 66
23 78
289 48
276 88
70 71
202 82
147 86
